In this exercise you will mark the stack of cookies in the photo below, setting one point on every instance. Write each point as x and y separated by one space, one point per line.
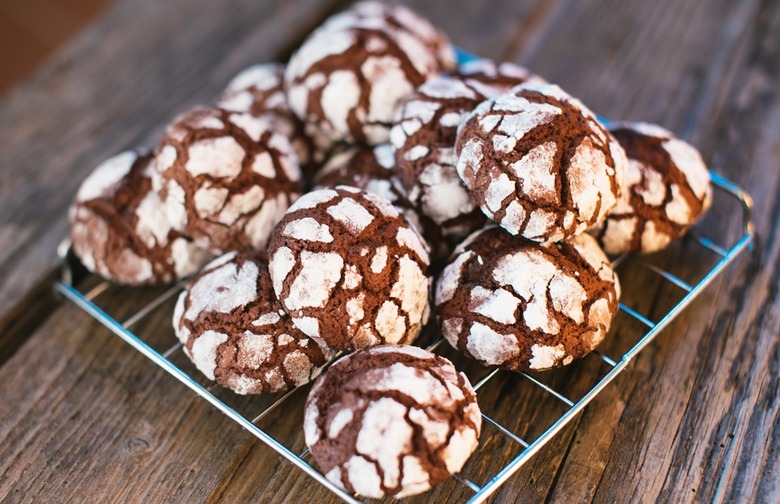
501 186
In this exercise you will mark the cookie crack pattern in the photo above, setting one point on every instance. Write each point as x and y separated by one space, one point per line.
532 306
375 249
234 330
506 158
117 229
220 185
407 393
369 53
660 203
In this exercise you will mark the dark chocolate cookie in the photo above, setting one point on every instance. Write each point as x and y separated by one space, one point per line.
225 178
539 163
350 270
348 76
391 421
510 302
423 136
236 332
118 228
667 190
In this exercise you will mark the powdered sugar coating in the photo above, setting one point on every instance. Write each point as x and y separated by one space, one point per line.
258 90
510 302
424 133
356 280
348 76
367 168
372 169
388 421
539 163
118 228
236 332
490 78
425 157
225 178
667 191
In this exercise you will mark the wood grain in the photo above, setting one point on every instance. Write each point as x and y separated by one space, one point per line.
694 418
34 29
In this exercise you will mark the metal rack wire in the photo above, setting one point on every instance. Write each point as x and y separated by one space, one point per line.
527 447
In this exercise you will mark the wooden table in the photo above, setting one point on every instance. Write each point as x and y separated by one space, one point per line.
83 418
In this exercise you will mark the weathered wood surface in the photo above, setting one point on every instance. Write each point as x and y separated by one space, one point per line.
694 418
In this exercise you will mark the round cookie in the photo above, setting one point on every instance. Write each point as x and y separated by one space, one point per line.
225 178
423 136
372 170
391 421
510 302
667 190
350 270
424 133
118 228
348 75
259 90
235 331
538 163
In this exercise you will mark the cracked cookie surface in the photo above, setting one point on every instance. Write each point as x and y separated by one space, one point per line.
259 90
235 331
490 78
510 302
348 75
367 168
667 190
391 421
225 178
350 270
424 133
372 169
118 228
539 163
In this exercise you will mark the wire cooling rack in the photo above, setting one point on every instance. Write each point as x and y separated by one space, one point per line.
695 249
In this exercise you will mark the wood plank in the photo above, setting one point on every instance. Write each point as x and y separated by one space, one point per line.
62 442
677 423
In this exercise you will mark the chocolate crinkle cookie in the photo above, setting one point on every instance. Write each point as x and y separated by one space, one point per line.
372 169
510 302
391 421
350 270
259 90
423 135
490 78
367 168
539 163
118 229
235 331
225 178
667 190
348 76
